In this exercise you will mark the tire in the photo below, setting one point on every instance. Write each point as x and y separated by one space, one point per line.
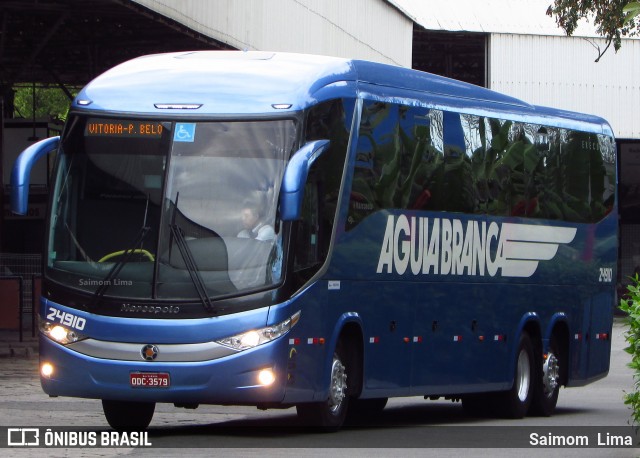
515 402
329 416
364 409
547 384
478 405
128 416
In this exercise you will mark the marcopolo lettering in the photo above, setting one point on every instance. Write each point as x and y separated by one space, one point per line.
150 309
442 246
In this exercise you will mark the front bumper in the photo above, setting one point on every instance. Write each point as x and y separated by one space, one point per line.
232 379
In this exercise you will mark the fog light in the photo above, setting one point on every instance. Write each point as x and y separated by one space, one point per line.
46 369
266 377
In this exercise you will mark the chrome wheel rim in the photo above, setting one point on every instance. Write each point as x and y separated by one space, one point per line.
338 389
523 376
550 374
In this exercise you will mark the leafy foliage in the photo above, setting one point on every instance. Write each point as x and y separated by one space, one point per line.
631 305
50 103
631 10
613 19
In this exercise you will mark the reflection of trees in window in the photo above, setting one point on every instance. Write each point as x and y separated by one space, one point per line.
502 172
450 182
541 172
608 152
471 129
547 184
377 161
436 129
534 133
393 150
608 149
584 173
569 183
411 157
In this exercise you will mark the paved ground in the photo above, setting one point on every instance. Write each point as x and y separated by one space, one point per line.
12 347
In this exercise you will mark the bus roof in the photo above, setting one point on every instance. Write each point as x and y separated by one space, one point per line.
238 83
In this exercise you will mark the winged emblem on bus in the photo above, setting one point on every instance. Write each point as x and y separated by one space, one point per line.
525 245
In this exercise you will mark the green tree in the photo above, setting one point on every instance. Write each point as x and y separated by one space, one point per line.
630 304
614 19
50 103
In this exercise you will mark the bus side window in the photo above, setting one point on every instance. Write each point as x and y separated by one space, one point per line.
397 160
329 120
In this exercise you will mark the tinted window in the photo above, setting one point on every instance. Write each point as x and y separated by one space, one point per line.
425 159
399 154
327 121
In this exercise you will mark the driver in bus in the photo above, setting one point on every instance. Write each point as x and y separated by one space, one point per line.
254 227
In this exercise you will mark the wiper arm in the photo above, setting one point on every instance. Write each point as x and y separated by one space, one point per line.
79 247
126 257
192 268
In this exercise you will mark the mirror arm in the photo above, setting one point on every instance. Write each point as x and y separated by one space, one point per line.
295 178
21 173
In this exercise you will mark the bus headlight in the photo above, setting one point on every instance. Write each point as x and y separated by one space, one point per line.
255 337
59 333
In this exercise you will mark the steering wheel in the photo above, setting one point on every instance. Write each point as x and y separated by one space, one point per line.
141 251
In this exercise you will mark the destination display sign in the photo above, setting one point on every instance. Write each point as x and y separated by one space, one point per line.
123 128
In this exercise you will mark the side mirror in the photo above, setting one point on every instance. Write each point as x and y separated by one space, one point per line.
21 172
295 177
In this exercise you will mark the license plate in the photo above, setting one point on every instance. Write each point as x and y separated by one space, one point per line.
149 380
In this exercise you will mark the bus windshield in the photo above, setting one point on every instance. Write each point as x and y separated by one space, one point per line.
172 210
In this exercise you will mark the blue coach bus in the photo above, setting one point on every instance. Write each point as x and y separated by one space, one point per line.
286 230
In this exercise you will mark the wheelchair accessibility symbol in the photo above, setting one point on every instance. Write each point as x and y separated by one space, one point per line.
185 132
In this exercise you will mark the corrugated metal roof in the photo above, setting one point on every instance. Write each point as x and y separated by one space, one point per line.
526 17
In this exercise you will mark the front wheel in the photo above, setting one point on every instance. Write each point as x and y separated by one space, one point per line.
515 402
330 414
128 416
365 409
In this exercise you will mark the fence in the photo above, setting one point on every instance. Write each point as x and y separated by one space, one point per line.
19 281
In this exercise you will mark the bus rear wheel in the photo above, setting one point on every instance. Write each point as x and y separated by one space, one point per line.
547 385
515 402
329 415
478 405
127 415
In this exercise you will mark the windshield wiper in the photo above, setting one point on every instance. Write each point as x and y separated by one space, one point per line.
189 261
126 257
